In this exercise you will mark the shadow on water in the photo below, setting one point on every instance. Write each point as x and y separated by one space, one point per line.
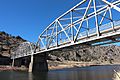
85 73
39 76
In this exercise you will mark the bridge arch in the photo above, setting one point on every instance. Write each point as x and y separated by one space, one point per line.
24 49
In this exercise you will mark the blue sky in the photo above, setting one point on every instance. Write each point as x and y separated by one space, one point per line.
28 18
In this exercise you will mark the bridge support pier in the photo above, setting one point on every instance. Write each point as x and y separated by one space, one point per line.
21 61
13 62
18 62
38 63
31 64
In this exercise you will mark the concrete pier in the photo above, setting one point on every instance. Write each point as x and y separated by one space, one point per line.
18 62
40 63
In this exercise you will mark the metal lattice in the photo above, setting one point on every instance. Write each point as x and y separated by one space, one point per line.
90 21
86 18
24 49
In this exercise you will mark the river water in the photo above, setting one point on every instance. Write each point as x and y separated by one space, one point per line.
85 73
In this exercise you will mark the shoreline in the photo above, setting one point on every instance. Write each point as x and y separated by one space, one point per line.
74 64
10 68
56 65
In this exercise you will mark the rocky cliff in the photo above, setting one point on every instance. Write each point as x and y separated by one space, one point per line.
7 43
97 54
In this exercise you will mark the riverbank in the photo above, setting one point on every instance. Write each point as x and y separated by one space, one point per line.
10 68
54 65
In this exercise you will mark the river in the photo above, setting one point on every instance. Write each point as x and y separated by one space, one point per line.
85 73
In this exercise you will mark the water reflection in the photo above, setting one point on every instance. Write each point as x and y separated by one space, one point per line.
40 76
92 73
89 73
30 76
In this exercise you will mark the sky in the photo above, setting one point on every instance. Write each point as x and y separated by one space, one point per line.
28 18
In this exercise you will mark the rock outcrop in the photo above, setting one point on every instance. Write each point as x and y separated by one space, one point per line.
97 54
7 43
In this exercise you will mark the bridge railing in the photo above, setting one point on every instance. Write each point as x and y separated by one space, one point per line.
101 28
91 32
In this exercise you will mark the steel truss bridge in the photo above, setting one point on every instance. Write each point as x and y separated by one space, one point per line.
92 22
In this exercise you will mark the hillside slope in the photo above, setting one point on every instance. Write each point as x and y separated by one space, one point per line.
8 42
96 54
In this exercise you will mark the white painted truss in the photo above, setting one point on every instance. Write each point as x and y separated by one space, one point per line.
89 22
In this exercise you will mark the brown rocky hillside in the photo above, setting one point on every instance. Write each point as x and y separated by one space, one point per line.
96 54
8 42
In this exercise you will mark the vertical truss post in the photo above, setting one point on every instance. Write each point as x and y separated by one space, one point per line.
56 33
61 37
96 18
112 23
47 38
72 28
38 47
87 27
